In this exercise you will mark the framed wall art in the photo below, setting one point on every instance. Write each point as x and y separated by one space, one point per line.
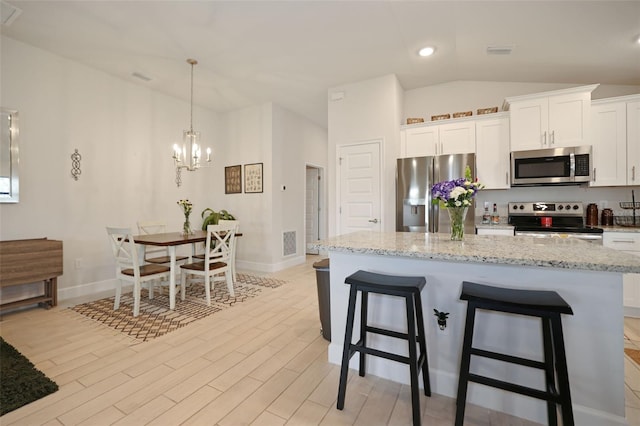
233 179
253 178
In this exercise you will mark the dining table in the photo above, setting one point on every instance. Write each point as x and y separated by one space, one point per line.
171 240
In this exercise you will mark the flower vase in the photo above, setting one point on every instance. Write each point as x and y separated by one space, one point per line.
457 216
186 227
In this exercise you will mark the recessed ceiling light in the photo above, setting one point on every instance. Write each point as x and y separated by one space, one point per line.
426 51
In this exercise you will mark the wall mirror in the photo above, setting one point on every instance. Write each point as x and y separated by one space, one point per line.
9 152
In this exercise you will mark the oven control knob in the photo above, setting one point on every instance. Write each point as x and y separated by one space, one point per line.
575 207
560 207
521 207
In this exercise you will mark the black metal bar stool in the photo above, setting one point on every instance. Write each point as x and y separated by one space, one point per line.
409 288
546 305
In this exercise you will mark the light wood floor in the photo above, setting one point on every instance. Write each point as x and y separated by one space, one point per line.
262 362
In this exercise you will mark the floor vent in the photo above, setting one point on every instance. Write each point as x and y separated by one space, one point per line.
289 243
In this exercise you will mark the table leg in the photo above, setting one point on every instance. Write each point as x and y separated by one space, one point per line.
172 278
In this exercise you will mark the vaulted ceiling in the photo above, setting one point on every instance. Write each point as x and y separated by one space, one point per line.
291 52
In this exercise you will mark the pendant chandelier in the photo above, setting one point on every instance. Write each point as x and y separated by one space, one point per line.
188 156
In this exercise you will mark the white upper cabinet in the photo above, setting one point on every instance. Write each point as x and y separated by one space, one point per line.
633 142
550 120
437 139
492 152
609 143
457 138
419 141
616 141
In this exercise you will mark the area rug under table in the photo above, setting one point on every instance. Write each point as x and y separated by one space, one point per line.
156 319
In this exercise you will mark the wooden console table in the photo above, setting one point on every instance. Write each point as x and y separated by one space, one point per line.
30 261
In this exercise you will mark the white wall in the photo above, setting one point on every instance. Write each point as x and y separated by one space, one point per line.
296 142
370 110
284 142
457 96
125 134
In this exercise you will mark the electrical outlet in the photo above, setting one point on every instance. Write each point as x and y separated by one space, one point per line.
79 263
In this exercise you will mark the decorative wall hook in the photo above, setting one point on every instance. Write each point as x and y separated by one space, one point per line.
442 318
75 164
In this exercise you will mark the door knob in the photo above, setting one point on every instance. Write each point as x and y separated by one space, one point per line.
373 220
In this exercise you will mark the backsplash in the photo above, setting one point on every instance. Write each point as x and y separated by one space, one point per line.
603 197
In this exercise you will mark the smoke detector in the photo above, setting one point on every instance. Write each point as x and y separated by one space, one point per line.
499 50
8 13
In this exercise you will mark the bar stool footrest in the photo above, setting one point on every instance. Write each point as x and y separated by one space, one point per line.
377 352
384 332
512 387
508 358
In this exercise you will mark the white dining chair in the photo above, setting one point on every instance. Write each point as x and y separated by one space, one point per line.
235 243
156 254
217 260
129 269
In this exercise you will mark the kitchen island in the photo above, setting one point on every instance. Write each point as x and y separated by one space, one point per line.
588 277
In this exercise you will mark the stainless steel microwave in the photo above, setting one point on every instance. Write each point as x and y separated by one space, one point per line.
554 166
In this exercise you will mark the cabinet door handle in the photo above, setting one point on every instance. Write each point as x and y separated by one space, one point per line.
544 143
553 137
594 174
506 177
623 241
633 173
373 220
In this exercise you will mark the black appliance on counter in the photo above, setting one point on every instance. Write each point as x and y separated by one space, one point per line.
552 219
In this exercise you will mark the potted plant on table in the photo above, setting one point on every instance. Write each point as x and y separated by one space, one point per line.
211 217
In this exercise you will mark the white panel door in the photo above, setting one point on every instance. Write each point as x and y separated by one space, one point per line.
360 194
312 205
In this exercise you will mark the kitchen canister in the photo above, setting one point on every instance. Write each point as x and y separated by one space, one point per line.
592 215
607 217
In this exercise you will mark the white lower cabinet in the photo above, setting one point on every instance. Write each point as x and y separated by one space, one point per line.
628 242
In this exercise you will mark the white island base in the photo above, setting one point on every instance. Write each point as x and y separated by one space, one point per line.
593 335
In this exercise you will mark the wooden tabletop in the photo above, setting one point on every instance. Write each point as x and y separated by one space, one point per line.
173 238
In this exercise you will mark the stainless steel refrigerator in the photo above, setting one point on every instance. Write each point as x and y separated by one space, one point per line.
414 179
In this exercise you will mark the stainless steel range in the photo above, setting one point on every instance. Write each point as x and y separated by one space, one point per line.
552 219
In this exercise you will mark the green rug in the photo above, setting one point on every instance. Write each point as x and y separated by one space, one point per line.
20 382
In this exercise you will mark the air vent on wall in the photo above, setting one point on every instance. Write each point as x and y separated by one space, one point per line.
8 13
499 50
289 243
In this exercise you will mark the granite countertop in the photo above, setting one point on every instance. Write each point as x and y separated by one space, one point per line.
520 250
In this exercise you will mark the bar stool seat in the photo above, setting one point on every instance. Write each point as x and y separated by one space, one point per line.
546 305
409 288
